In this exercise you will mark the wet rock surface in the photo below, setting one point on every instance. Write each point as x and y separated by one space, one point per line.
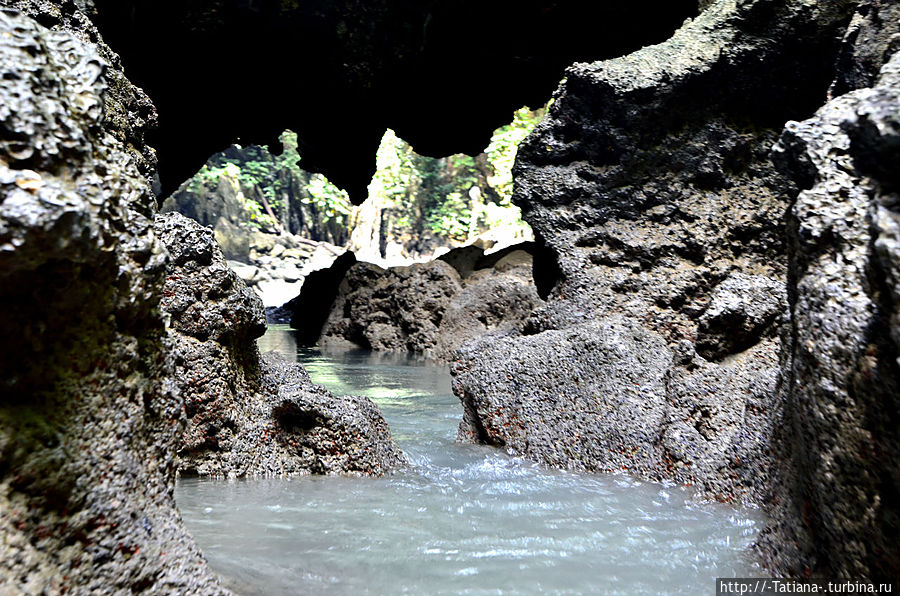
249 416
587 366
839 490
89 421
324 433
666 218
426 308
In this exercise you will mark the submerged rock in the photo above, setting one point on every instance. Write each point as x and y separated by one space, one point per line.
89 420
247 416
839 490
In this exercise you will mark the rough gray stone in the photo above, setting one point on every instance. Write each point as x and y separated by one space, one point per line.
249 417
494 300
838 503
399 308
741 309
88 419
433 308
323 433
554 388
203 297
650 180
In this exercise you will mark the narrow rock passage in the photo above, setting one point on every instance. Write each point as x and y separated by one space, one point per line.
463 517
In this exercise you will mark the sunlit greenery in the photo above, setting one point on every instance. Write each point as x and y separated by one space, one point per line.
456 197
268 181
421 200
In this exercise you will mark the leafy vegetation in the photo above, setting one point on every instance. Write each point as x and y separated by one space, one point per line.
277 195
457 197
421 201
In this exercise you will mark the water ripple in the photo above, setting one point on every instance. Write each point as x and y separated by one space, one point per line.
462 520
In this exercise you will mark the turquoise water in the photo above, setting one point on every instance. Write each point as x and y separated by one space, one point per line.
462 520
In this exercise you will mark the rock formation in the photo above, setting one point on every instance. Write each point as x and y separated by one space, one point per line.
651 182
425 308
89 420
839 490
690 358
246 416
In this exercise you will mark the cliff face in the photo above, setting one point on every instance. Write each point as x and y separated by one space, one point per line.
88 418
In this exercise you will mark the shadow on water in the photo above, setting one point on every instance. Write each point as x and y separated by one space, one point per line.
463 519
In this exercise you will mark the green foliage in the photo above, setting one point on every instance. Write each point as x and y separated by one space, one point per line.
261 175
501 152
329 200
456 197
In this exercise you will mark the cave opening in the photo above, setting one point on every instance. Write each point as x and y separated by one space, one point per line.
441 74
277 222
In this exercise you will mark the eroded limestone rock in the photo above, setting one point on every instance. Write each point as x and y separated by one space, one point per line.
246 416
399 308
426 308
839 488
650 180
89 421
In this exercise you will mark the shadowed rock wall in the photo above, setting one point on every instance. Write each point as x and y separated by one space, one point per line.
838 506
442 74
89 420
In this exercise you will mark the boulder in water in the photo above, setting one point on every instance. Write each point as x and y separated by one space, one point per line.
250 416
